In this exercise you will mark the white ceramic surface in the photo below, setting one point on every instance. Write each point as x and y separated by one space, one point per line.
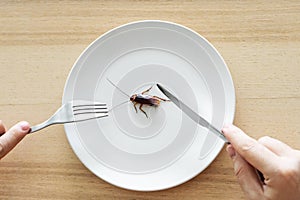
138 153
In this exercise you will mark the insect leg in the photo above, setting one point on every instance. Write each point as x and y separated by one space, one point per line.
143 110
147 90
134 105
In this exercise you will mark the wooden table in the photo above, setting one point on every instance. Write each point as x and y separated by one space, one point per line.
40 41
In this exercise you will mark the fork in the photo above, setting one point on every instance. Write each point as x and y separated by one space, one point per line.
74 111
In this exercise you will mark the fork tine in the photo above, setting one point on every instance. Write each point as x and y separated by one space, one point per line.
89 112
85 105
96 110
89 107
89 117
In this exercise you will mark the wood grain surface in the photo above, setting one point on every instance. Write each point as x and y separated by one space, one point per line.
40 41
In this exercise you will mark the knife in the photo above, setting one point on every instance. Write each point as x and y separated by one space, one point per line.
199 120
193 115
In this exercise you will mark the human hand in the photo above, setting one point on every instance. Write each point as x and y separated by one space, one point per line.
279 163
12 137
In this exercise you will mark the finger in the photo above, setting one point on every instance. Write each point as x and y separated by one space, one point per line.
246 175
256 154
12 137
276 146
2 128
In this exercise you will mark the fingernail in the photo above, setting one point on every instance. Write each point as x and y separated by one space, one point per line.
24 126
225 128
230 150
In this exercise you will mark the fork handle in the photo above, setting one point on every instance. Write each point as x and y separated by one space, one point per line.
39 127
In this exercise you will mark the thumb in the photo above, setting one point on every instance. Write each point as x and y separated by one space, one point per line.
245 174
12 137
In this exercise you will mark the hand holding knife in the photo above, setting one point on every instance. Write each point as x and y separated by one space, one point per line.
198 119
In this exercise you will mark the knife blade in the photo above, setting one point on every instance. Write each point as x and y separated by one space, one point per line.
192 114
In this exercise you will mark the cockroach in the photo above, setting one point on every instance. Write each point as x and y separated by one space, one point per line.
142 99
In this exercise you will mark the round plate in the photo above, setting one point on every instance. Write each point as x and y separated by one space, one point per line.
165 148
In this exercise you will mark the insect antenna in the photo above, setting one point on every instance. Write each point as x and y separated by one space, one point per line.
118 88
117 106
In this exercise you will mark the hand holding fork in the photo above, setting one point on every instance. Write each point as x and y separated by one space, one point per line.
72 111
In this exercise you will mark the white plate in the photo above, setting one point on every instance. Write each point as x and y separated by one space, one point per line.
138 153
